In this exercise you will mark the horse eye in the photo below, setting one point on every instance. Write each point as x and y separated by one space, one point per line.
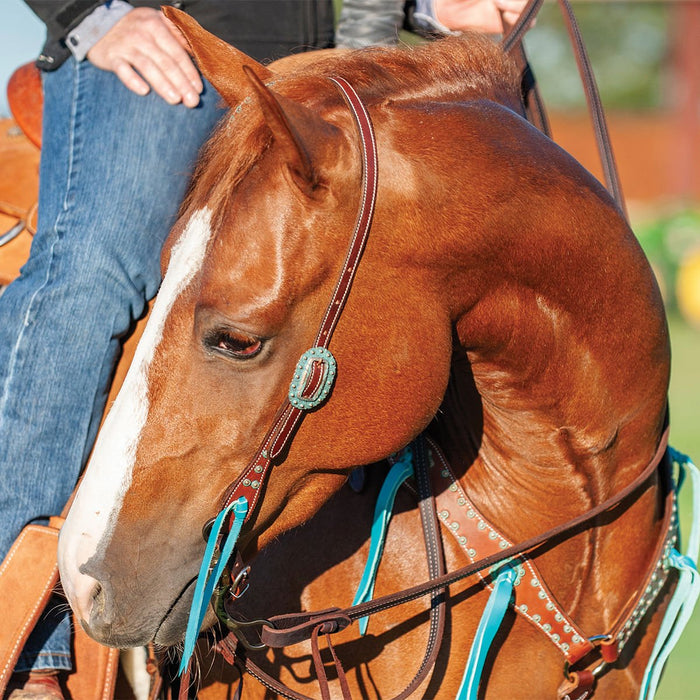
234 344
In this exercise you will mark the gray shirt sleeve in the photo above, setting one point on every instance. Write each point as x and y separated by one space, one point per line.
369 23
425 19
83 37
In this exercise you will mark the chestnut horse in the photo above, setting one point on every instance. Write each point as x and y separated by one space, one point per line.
502 305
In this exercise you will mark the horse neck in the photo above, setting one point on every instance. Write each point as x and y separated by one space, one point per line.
555 402
559 372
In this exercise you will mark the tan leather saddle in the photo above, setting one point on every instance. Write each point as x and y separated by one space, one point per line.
20 141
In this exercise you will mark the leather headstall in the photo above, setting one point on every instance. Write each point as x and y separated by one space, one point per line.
315 372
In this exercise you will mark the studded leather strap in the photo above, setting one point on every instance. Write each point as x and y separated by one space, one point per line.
477 537
249 483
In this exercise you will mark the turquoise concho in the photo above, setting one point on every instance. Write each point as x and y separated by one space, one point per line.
302 375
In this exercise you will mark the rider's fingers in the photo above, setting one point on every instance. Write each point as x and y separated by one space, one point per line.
511 10
143 51
130 78
177 65
157 71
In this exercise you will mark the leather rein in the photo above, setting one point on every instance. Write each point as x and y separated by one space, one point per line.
312 382
512 44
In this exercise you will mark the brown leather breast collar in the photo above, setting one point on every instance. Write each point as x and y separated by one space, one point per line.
532 599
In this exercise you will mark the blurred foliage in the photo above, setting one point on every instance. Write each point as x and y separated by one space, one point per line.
667 240
628 43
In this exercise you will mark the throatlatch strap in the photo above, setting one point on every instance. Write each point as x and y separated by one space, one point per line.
684 598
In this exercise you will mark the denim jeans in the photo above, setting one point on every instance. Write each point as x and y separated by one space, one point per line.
114 169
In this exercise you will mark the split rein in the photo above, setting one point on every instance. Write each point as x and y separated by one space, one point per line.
512 44
311 385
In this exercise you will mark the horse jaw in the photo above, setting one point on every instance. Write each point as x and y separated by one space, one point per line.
89 524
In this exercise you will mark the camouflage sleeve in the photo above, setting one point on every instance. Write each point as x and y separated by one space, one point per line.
369 23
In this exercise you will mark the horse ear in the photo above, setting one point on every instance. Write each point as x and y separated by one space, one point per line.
219 62
300 132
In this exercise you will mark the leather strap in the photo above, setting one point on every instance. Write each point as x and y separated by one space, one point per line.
290 629
477 537
250 483
535 111
579 686
566 529
28 576
513 39
535 602
297 627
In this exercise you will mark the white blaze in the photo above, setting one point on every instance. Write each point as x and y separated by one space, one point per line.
110 469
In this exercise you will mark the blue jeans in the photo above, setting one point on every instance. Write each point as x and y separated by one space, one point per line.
114 169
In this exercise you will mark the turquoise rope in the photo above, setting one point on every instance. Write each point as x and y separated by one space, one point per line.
209 575
684 598
490 622
382 515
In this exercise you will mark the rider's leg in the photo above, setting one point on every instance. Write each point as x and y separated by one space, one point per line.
114 169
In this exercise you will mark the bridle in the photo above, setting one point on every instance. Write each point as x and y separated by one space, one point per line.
314 374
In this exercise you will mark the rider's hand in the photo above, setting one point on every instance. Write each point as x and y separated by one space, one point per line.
145 51
479 15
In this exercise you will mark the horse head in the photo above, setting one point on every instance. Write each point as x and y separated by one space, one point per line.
481 307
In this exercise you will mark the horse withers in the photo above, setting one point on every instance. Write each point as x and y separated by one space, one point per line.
502 305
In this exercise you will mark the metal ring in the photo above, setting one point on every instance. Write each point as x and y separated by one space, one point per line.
206 528
241 578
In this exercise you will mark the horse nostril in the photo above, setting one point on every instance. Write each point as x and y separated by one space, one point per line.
87 597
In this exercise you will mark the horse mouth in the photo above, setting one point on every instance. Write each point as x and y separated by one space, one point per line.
171 629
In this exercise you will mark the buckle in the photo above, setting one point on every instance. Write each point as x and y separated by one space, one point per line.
313 379
237 627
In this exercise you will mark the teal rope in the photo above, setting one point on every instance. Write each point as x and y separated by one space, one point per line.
210 573
382 515
684 598
490 622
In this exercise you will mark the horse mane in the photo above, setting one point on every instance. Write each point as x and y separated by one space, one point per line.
454 69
